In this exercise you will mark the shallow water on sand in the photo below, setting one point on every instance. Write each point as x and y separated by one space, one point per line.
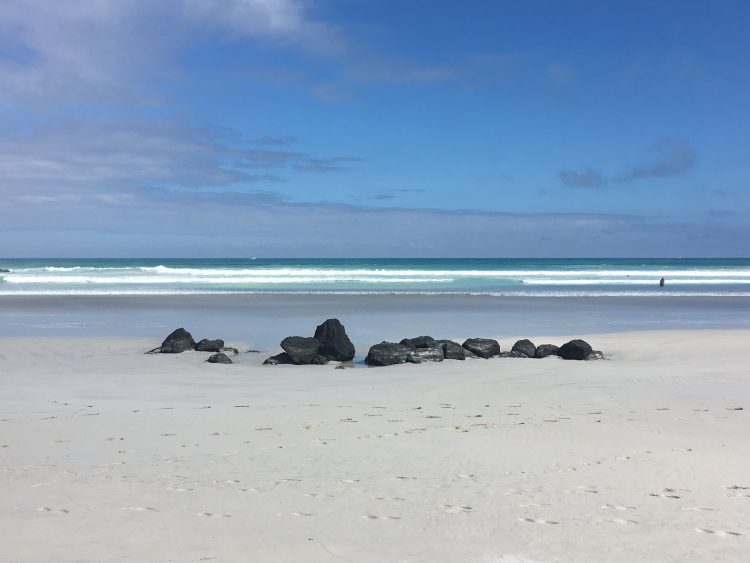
262 321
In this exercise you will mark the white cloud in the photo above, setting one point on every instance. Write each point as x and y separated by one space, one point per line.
95 50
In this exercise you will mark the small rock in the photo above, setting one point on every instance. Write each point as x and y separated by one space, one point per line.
574 350
419 355
301 350
483 347
387 354
525 347
219 358
278 359
206 345
544 350
452 350
420 342
178 341
513 354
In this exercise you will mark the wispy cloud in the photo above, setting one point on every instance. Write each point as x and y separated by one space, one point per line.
586 178
250 224
667 158
95 50
88 159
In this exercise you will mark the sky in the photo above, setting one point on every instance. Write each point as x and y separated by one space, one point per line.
374 128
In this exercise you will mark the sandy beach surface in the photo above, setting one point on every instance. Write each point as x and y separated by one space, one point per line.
108 454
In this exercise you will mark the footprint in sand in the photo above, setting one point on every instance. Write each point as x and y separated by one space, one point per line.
139 508
53 510
392 499
455 509
539 521
212 515
318 495
370 516
622 521
618 507
698 508
666 493
720 533
299 514
583 489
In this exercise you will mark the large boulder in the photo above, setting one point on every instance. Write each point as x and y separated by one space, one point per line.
207 345
388 354
574 350
544 350
335 344
302 350
420 342
179 341
278 359
219 358
483 347
525 347
419 355
452 350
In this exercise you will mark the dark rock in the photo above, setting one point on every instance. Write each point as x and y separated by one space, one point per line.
469 355
419 355
301 350
483 347
219 359
595 355
513 354
179 341
4 271
278 359
335 344
388 354
319 360
230 349
452 350
574 350
525 347
420 342
207 345
544 350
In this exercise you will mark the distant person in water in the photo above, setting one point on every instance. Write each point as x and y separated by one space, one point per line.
661 282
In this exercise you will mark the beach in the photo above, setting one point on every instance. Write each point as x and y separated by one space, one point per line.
109 454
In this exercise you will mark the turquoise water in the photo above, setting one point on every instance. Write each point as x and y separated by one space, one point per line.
511 277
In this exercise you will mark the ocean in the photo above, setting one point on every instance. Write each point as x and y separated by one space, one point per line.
529 277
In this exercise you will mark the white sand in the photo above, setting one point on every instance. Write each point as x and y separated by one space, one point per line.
111 455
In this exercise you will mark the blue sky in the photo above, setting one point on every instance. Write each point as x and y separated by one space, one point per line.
374 128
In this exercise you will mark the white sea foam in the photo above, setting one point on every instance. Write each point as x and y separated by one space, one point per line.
179 292
167 280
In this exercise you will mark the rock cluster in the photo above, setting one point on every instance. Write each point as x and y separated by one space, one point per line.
181 340
330 343
427 349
